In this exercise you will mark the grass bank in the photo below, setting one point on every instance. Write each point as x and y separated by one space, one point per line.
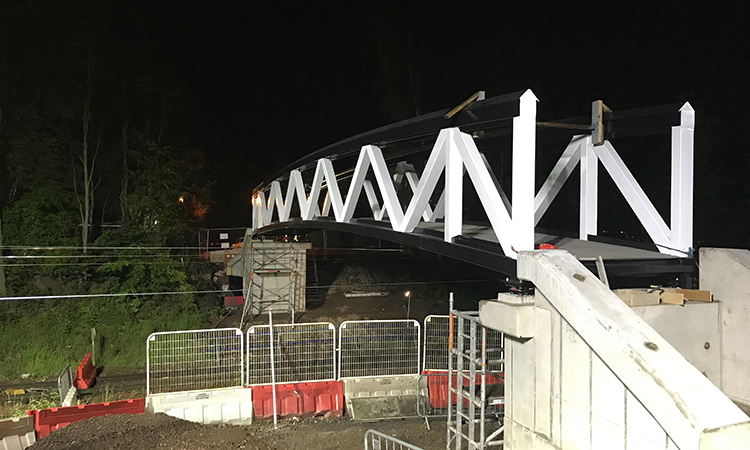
40 338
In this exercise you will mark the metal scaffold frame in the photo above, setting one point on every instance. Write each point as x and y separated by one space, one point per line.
268 262
463 367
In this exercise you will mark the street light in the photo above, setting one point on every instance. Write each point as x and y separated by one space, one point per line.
408 307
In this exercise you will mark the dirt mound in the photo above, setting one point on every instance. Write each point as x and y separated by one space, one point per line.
159 431
146 431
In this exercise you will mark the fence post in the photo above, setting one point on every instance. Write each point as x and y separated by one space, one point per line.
273 372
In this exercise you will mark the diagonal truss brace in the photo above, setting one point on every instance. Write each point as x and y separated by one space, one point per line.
675 240
453 149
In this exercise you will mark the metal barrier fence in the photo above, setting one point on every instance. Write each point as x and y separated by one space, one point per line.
64 383
195 359
302 352
436 331
377 348
375 440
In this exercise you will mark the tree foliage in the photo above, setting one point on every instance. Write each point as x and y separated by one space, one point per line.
90 159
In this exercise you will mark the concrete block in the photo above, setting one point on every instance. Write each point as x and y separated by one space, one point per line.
511 314
233 406
381 397
17 433
728 437
693 330
726 273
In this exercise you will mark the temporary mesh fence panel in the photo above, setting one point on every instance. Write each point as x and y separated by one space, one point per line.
64 382
436 331
375 440
377 348
192 360
302 352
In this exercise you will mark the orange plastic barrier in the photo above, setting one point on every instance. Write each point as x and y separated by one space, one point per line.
437 385
49 420
318 398
85 373
233 301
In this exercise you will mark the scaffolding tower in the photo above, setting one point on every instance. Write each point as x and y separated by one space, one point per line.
477 420
272 278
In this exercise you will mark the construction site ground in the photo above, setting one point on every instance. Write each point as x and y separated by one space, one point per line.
159 431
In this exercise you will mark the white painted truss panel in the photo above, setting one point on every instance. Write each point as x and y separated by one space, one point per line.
455 154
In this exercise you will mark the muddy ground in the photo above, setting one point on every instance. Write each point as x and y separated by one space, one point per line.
158 431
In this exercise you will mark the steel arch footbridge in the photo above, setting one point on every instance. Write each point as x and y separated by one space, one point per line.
370 185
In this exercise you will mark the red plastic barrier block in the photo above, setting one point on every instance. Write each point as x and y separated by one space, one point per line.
85 373
318 398
235 300
437 386
49 420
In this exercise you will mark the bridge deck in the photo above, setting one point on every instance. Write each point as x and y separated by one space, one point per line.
478 245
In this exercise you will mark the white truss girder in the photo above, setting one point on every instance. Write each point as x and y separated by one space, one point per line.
455 154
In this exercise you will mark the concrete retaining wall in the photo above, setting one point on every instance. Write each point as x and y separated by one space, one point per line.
726 273
595 375
693 330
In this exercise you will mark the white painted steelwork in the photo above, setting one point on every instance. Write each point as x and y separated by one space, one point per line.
178 361
455 152
379 348
676 239
304 352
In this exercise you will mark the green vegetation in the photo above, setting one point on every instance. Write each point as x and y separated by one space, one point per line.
18 409
90 161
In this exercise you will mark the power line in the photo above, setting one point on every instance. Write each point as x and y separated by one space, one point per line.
405 283
97 256
125 294
65 247
54 264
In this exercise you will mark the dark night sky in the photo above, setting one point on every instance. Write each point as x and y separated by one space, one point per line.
268 82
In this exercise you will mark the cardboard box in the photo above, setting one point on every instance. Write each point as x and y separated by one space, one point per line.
696 295
674 296
638 297
671 296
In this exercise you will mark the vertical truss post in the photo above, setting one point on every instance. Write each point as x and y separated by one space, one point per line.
589 191
524 149
454 188
681 220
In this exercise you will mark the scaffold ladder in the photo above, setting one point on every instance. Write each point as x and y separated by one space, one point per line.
467 358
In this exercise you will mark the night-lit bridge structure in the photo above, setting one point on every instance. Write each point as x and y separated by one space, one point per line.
582 368
426 209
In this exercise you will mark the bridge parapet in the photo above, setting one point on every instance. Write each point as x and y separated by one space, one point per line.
595 375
